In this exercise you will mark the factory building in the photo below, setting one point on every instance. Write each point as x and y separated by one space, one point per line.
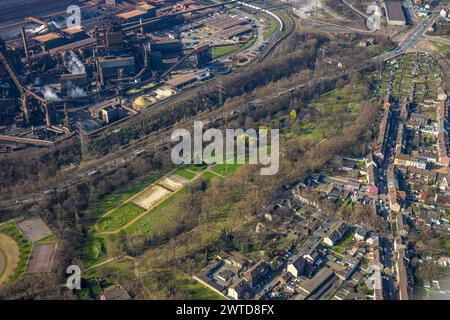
166 46
50 40
143 12
110 114
394 14
65 37
203 55
182 80
114 41
111 67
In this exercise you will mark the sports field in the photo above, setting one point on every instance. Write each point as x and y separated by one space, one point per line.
9 257
24 247
150 197
34 229
173 182
41 258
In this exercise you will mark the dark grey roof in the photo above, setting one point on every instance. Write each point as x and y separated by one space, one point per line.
394 11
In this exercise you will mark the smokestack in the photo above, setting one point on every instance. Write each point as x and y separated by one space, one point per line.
25 47
25 107
67 116
145 56
47 116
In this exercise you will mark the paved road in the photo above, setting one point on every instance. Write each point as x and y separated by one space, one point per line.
438 39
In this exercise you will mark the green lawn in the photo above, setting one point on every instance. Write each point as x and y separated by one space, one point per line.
161 219
209 176
119 217
270 29
218 52
184 173
345 98
94 249
344 244
114 199
194 290
310 131
198 167
12 231
225 168
47 240
443 48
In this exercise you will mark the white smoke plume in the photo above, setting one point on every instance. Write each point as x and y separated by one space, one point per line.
74 65
76 92
50 94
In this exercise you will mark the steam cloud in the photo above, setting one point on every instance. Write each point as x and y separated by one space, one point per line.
76 92
50 94
74 65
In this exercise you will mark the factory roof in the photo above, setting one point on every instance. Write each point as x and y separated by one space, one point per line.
131 14
48 37
73 30
181 79
74 45
146 6
115 58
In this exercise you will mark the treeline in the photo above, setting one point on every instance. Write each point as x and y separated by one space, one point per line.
207 98
35 164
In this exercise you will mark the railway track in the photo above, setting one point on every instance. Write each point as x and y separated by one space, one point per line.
289 25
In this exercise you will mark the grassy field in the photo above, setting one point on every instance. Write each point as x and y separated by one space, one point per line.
270 29
119 217
47 240
12 231
218 52
161 219
209 176
191 289
310 131
443 48
225 168
345 98
114 199
185 173
198 167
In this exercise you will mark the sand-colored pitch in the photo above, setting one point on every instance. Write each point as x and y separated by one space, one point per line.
9 257
173 182
150 197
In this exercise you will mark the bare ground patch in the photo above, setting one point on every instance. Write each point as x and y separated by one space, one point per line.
34 229
173 182
41 258
150 197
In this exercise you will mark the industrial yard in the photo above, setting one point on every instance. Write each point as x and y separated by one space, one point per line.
58 80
